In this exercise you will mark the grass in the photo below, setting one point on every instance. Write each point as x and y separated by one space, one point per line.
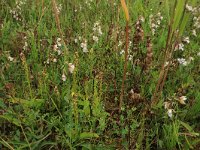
65 82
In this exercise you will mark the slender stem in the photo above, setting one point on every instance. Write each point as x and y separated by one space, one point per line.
125 68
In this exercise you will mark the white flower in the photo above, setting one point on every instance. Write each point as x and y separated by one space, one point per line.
58 40
187 40
189 8
198 54
166 105
59 52
76 40
54 60
95 38
122 52
169 112
191 59
64 78
55 47
182 61
194 32
141 18
71 67
85 50
120 43
47 61
97 28
130 57
166 64
80 38
84 47
25 44
181 46
182 99
10 58
59 44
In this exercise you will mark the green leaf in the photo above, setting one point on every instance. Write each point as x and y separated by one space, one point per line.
187 126
88 135
2 105
11 119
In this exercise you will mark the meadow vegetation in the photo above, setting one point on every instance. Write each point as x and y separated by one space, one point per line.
99 74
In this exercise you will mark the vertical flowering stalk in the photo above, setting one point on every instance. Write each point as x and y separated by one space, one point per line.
125 9
56 14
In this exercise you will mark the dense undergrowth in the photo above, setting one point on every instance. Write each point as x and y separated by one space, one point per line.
63 65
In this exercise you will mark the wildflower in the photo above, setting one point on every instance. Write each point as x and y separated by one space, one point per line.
130 57
187 40
58 40
47 61
182 61
141 18
95 38
76 40
180 46
64 78
198 54
122 52
191 59
54 60
97 28
120 43
166 64
10 58
59 8
189 8
59 52
182 100
71 67
169 112
55 47
84 47
194 32
80 38
166 105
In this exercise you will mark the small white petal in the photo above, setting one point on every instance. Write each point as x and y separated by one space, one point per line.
169 112
71 67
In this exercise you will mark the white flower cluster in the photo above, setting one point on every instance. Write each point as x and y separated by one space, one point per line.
96 31
57 49
168 105
196 13
122 52
180 46
17 11
182 61
25 44
88 3
84 46
71 68
57 46
185 62
59 8
11 59
155 22
83 43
